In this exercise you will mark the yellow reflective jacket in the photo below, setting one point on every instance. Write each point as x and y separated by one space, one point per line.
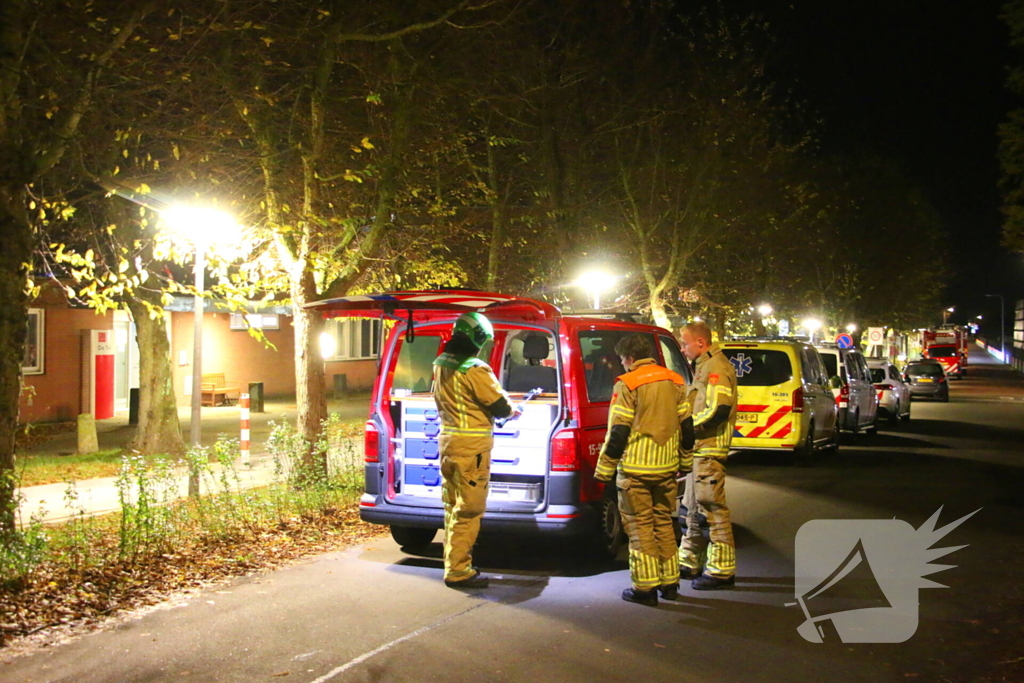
714 382
463 392
651 401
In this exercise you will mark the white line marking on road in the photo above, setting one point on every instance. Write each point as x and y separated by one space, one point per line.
387 646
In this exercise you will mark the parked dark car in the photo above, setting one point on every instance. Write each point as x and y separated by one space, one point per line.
926 379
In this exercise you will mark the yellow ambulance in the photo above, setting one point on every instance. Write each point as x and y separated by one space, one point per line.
785 401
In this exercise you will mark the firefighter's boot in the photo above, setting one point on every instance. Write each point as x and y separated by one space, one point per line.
649 598
712 583
670 591
478 580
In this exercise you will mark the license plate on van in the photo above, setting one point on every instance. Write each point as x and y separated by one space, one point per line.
747 417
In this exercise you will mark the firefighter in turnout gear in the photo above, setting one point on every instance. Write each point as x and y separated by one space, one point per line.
468 398
648 426
714 415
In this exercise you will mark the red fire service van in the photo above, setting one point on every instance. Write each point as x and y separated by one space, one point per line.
543 462
948 345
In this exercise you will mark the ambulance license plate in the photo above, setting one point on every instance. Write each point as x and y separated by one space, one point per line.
747 417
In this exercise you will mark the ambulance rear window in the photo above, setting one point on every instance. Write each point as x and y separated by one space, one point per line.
760 367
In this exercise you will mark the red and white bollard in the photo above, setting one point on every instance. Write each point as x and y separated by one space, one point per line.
243 403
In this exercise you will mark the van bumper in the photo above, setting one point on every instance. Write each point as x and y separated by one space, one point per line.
557 520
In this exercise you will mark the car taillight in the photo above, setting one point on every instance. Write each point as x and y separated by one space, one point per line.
565 456
371 443
798 400
844 394
880 392
942 379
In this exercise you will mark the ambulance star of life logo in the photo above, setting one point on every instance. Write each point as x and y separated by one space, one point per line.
857 580
742 364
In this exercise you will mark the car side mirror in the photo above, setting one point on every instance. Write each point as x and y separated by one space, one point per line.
834 382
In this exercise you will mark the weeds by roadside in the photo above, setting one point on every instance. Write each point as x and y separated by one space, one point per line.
88 567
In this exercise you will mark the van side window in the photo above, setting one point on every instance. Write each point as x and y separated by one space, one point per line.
600 362
530 362
674 360
414 371
813 373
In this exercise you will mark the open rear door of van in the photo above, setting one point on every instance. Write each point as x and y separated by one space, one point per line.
419 306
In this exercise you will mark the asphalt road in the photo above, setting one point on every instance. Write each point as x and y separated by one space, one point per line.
374 613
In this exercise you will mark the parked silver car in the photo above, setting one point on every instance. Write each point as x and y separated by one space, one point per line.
893 393
926 379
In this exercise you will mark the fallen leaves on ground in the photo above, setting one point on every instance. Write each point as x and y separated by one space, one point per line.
61 599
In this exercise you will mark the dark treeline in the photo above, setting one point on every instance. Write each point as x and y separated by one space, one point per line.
498 144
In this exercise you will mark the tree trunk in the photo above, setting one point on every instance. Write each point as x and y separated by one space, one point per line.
658 312
310 390
497 222
159 430
15 267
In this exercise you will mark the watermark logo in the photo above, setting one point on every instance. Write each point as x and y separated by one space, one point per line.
857 580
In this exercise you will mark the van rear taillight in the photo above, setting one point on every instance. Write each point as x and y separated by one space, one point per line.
565 452
798 400
371 443
844 394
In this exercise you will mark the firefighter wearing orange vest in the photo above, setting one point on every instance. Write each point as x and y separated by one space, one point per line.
468 398
648 423
714 417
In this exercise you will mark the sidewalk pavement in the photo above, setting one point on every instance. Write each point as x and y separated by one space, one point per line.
47 502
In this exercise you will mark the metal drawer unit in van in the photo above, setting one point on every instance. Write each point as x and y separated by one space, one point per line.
417 452
519 460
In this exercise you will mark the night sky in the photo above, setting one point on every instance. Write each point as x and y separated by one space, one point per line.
922 83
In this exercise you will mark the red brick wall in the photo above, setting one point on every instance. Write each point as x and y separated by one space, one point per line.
58 391
243 359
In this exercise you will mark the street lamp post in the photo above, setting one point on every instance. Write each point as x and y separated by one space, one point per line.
812 325
1002 324
201 227
946 312
594 283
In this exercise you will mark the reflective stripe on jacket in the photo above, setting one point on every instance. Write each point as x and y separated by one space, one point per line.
651 401
714 382
463 392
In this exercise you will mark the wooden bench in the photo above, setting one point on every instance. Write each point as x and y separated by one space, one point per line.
218 391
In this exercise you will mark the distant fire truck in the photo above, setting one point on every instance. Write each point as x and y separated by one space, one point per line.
948 345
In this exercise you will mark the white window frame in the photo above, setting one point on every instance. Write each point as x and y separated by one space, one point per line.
38 340
348 333
256 321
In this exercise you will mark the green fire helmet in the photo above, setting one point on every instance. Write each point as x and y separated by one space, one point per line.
475 326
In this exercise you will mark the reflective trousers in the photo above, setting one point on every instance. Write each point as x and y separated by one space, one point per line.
464 493
646 502
705 494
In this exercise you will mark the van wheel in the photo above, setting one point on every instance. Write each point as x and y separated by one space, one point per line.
872 428
611 536
804 455
854 428
833 444
411 537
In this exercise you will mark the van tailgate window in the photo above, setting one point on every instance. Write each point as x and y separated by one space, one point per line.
760 367
414 371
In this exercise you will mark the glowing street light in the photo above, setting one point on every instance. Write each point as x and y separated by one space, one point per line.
765 310
851 328
594 283
202 227
812 325
946 312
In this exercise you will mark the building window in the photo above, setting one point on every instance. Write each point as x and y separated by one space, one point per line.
257 321
32 363
356 338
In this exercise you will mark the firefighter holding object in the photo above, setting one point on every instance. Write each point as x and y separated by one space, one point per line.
647 419
714 415
468 398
